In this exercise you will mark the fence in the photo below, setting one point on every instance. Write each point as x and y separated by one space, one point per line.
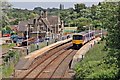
13 56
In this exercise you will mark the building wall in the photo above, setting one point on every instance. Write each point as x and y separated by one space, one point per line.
40 34
20 34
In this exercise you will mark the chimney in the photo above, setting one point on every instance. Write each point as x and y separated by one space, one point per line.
44 14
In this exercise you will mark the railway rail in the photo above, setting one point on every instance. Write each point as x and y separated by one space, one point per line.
55 63
52 65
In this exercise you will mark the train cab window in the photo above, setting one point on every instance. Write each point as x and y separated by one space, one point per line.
87 35
77 37
90 34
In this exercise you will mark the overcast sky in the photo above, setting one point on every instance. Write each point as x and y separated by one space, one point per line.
30 4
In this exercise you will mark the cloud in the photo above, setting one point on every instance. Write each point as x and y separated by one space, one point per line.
55 0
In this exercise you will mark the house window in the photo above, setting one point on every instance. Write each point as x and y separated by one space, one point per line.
59 26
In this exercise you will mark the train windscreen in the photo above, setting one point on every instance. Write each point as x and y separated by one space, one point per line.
77 37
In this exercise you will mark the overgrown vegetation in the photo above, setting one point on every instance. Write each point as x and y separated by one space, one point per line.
12 16
96 64
107 67
9 62
16 15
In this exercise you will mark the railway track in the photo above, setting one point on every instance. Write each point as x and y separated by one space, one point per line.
53 64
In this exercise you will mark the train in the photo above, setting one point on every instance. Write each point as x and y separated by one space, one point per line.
79 39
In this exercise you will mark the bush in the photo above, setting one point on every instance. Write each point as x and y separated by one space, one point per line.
98 64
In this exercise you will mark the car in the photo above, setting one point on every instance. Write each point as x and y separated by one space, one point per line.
47 38
41 40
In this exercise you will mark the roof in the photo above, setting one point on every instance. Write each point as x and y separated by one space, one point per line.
50 21
22 26
46 22
82 33
53 20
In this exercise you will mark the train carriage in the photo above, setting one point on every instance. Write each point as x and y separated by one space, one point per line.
81 38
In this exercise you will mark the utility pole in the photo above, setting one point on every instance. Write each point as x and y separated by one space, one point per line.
27 39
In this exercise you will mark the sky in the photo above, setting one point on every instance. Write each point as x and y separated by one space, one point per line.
31 4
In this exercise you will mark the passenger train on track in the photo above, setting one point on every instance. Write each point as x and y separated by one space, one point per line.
79 39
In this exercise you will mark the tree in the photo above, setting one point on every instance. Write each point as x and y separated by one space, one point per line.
79 7
81 22
61 6
38 9
5 9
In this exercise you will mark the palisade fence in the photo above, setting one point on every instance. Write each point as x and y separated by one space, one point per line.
11 58
33 47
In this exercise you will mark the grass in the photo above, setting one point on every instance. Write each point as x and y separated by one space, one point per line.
94 66
6 47
7 70
96 53
70 29
0 72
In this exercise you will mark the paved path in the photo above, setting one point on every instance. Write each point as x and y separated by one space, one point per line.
3 39
83 50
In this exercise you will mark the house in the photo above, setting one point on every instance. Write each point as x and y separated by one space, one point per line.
43 25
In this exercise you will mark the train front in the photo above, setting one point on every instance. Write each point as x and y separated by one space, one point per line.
77 41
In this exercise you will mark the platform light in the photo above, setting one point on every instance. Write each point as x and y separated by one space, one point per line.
89 33
101 32
37 34
47 36
27 40
94 32
27 37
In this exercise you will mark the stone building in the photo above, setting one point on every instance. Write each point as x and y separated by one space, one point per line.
44 25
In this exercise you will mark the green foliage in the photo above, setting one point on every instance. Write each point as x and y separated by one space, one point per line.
38 9
5 9
97 64
6 71
16 15
6 29
10 54
79 7
11 45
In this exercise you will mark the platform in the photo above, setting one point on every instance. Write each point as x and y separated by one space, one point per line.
82 51
25 62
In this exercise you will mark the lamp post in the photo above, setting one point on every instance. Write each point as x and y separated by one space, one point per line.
101 32
55 31
27 40
47 35
37 35
89 33
69 27
94 32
